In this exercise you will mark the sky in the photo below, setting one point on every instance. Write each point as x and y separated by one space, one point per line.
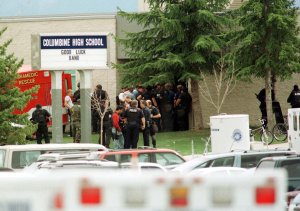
11 8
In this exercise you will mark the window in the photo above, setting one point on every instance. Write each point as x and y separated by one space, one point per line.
2 158
295 122
144 157
204 165
292 167
227 161
20 159
167 158
266 164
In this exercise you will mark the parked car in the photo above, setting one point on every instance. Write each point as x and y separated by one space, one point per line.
18 156
241 159
70 164
142 167
66 155
166 157
290 163
220 171
295 203
292 166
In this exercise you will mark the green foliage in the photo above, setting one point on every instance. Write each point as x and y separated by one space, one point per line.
179 39
266 39
11 98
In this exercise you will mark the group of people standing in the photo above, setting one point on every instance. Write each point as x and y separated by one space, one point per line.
173 105
141 109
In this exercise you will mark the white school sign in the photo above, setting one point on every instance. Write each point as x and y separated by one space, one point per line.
71 51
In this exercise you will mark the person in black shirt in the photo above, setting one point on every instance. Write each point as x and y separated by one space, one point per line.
148 121
294 97
41 116
134 119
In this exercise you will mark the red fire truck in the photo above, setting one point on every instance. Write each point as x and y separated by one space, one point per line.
29 78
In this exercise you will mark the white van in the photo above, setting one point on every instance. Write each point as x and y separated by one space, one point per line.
18 156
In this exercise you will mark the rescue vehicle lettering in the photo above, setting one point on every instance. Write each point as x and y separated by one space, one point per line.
27 81
28 75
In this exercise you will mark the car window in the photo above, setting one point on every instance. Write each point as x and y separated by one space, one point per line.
167 158
144 157
250 161
125 158
227 161
292 167
110 157
2 157
267 164
20 159
204 165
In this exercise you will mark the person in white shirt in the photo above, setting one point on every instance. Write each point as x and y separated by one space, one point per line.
68 103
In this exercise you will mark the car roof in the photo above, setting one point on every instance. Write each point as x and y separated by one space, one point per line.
121 151
290 157
204 171
61 163
239 152
63 155
199 160
54 146
143 164
134 151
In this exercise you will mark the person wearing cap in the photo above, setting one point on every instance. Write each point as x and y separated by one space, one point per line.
294 97
41 116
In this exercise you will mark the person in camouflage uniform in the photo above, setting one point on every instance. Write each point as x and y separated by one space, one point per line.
75 116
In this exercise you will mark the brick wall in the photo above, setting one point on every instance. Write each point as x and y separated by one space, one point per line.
241 101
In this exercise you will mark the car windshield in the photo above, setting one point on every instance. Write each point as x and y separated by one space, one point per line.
20 159
292 167
166 159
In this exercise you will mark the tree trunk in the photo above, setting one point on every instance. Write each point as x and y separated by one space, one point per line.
270 116
101 129
196 114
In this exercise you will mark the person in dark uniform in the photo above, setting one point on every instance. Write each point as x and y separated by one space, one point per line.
182 108
155 115
294 97
148 121
261 96
99 94
167 108
107 124
135 119
41 116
